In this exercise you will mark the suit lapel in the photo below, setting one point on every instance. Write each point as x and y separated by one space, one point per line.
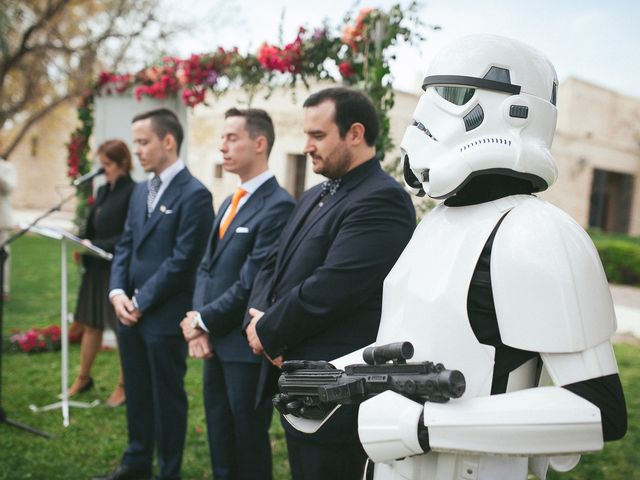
165 202
214 238
139 211
292 229
254 205
329 202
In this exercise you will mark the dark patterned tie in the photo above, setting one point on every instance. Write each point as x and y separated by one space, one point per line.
330 187
154 186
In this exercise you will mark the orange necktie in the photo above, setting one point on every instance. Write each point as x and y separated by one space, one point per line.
237 195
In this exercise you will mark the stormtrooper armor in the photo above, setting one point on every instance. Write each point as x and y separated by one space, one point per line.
488 110
483 436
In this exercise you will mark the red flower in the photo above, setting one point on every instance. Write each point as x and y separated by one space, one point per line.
105 77
138 92
118 83
287 59
73 171
52 333
31 341
346 69
38 339
192 98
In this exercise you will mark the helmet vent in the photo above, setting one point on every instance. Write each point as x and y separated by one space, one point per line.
498 74
474 118
423 129
518 111
481 141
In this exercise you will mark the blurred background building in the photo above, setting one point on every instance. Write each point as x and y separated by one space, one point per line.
596 147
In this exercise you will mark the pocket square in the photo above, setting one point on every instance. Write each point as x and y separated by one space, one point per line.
242 230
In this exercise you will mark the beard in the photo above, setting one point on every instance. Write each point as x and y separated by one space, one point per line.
337 163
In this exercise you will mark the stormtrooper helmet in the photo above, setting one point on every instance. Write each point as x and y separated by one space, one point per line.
488 108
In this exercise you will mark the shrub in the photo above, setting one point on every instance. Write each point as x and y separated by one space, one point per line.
620 259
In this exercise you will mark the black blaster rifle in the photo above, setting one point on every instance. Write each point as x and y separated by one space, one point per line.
311 389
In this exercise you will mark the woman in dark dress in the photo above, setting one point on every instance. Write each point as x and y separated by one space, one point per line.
105 223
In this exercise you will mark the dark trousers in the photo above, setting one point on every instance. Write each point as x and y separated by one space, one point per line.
154 367
334 461
238 431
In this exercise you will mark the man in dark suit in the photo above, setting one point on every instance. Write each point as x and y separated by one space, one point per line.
250 221
319 297
152 282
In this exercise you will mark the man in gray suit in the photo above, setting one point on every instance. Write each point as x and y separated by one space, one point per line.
248 224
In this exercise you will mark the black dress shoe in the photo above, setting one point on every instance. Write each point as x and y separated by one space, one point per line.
124 472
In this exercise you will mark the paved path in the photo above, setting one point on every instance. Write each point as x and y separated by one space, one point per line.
627 304
63 220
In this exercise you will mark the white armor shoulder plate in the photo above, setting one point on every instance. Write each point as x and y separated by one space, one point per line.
549 287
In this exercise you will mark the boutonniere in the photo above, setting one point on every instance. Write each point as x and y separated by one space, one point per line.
165 210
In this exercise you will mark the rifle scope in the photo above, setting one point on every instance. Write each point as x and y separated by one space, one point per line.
398 352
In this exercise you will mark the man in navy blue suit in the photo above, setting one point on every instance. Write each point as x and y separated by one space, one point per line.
249 223
319 296
152 283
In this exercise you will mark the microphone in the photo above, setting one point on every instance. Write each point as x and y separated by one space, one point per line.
87 176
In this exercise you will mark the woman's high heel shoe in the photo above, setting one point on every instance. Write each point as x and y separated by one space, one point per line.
117 397
82 384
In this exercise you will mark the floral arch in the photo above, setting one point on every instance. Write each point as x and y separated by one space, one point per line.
358 55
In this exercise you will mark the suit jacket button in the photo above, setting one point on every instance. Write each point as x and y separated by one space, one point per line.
273 299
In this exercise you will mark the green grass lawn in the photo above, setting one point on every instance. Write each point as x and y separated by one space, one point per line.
95 439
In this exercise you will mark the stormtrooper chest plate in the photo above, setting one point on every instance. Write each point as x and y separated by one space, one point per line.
425 294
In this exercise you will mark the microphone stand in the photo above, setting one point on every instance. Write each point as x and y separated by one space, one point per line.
3 258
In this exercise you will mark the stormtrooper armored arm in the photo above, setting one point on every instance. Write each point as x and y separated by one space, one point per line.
542 421
535 421
539 421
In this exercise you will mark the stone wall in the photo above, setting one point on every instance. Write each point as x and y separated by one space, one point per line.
597 129
40 161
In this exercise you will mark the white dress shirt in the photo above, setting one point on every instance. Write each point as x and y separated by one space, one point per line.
167 175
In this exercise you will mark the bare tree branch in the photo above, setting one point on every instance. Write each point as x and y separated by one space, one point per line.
50 50
32 120
11 59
